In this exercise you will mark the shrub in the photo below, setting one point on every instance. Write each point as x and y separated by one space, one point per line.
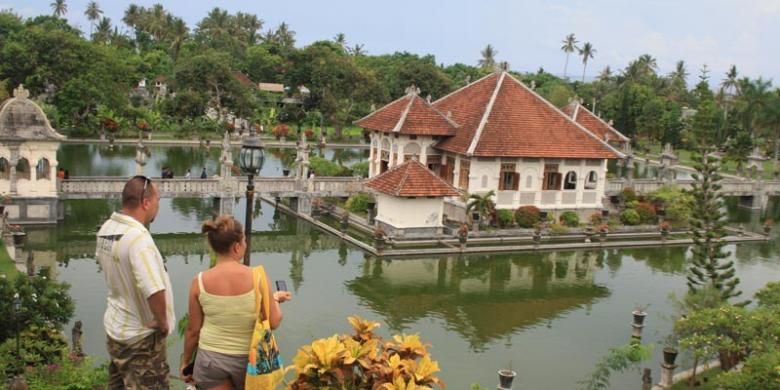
364 361
558 229
769 295
676 203
527 216
43 301
323 167
628 194
68 374
570 219
646 212
505 217
760 371
281 130
630 217
596 219
358 202
360 169
678 214
38 346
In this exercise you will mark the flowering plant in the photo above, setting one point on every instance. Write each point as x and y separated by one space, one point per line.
664 226
603 228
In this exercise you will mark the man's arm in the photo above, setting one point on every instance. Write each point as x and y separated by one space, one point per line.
158 306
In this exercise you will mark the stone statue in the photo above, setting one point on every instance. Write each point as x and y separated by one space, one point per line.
76 333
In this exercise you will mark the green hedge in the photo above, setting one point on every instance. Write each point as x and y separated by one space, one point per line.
358 203
505 217
570 219
630 217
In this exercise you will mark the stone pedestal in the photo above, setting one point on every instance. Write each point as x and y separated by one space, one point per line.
667 375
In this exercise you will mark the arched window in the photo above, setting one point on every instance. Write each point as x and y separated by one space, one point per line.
570 182
5 169
23 169
43 170
411 149
385 144
529 182
592 181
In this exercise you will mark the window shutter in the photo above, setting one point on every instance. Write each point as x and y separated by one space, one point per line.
515 181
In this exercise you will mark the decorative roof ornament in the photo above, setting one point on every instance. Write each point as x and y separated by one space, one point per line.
428 98
21 93
412 90
533 85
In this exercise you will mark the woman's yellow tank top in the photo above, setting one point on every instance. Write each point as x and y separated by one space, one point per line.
228 321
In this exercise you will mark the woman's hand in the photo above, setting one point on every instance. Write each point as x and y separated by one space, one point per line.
187 378
282 296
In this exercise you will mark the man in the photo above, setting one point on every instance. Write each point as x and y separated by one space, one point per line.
139 310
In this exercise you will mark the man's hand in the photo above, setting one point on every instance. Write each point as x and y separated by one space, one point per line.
161 327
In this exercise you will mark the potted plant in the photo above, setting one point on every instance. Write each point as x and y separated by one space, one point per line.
664 228
768 225
379 238
506 377
603 229
538 232
316 207
463 234
588 233
280 131
640 313
18 234
670 349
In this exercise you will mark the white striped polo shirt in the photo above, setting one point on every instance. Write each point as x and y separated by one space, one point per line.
134 270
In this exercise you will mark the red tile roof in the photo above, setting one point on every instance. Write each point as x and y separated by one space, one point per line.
501 117
593 123
244 79
411 179
409 115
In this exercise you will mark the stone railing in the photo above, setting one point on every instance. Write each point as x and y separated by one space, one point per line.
728 186
111 187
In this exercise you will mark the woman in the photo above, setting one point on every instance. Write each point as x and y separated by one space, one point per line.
222 311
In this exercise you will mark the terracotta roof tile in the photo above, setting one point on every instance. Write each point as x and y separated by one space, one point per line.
594 124
411 179
517 123
409 115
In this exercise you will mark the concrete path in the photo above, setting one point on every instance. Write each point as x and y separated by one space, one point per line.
214 143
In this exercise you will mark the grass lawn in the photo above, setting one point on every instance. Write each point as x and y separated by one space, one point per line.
705 380
730 167
7 266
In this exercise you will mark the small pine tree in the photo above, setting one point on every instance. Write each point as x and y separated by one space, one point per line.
709 266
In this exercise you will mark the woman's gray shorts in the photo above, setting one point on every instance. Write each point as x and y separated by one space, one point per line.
214 368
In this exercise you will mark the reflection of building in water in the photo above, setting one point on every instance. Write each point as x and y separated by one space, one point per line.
482 298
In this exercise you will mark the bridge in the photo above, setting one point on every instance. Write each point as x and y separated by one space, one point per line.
754 193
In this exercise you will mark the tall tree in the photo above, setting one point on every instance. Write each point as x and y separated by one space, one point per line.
770 118
708 265
488 60
587 53
729 87
606 74
483 205
341 40
93 13
102 33
59 8
569 46
178 35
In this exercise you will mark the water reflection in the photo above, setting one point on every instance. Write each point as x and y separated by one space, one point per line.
100 160
483 298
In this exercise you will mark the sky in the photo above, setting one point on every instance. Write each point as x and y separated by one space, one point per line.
526 33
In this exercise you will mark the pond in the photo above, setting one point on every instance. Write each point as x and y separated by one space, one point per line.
101 160
548 315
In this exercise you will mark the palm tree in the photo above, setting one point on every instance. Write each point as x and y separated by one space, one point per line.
93 13
103 31
587 53
341 40
755 95
647 64
132 15
569 46
680 71
59 8
178 34
247 26
728 88
605 74
482 204
770 117
357 50
488 60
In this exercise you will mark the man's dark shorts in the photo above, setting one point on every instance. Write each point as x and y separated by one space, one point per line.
139 365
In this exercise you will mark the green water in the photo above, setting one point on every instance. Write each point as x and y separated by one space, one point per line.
548 315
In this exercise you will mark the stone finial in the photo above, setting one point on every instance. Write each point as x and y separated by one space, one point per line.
449 114
533 85
468 79
412 90
414 157
21 93
428 98
611 122
373 107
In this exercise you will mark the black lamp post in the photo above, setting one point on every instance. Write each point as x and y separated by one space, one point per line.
18 320
251 161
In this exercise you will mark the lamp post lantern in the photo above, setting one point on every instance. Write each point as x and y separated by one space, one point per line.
251 161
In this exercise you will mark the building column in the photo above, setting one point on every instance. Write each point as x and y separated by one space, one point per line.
371 154
12 161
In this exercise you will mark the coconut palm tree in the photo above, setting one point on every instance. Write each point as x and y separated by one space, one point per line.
488 60
357 50
647 64
770 118
103 31
569 46
178 34
341 40
680 71
587 53
606 74
729 87
754 96
482 204
59 8
132 15
93 13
